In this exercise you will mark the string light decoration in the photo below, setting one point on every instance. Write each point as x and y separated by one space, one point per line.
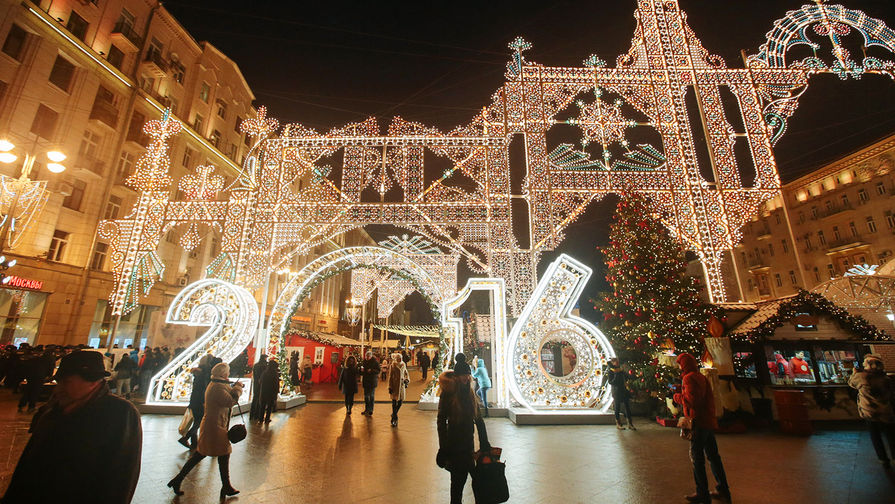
287 200
392 289
867 290
548 317
32 198
230 312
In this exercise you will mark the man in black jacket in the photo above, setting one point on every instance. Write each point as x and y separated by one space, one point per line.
87 440
257 372
370 378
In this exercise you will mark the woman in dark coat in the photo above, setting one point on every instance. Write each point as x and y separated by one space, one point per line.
270 388
348 382
201 379
458 416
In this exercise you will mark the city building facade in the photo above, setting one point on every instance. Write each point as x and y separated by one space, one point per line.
83 77
826 222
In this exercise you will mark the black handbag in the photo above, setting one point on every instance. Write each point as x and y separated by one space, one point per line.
489 479
237 432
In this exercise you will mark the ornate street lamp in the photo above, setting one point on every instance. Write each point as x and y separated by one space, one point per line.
22 197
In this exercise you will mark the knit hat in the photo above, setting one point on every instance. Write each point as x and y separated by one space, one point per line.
220 371
460 365
873 363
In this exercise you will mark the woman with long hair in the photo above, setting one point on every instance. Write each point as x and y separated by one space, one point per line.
348 382
458 416
397 380
220 397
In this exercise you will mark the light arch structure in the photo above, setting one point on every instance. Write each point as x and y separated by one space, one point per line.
341 261
289 198
872 292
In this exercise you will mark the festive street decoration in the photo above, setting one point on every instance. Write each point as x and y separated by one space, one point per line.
21 200
815 304
231 314
392 289
287 200
547 317
654 306
869 290
414 331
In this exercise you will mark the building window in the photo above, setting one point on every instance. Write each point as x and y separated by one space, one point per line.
99 256
57 246
743 257
125 164
62 73
890 221
829 205
44 124
792 277
204 91
816 274
113 207
808 242
89 144
178 72
777 217
77 25
871 225
197 123
836 235
222 109
237 123
751 285
830 271
778 280
862 195
814 212
880 188
187 157
771 249
784 246
821 239
115 57
215 138
844 199
76 197
853 229
14 45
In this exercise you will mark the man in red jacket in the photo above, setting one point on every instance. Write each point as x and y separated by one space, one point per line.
699 405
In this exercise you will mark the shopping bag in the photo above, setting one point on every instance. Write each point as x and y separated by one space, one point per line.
186 422
489 480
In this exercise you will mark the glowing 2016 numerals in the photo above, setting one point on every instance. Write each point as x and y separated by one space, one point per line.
231 313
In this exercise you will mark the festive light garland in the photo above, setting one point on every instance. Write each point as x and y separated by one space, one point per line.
32 198
809 302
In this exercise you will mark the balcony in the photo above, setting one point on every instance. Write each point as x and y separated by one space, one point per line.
154 65
845 244
104 112
834 210
125 37
758 265
87 164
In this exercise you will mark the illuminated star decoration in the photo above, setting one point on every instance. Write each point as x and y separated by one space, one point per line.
259 126
151 171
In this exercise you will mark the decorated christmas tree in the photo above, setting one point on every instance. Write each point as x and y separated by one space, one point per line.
654 307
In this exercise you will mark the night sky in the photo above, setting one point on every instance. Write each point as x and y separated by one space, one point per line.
324 64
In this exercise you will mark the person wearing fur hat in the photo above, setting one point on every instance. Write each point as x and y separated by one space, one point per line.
698 404
397 380
875 392
220 397
461 367
85 442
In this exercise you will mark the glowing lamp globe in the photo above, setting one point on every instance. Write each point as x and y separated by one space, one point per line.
55 167
56 156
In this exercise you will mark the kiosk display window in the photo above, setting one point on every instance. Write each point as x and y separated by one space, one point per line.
790 366
835 366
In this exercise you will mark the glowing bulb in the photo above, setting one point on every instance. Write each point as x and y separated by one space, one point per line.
6 145
7 157
56 156
12 263
55 167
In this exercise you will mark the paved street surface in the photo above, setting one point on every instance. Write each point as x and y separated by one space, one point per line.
315 454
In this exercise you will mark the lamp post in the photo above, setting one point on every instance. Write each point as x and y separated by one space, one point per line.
18 185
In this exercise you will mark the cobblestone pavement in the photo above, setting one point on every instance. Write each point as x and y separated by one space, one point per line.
315 454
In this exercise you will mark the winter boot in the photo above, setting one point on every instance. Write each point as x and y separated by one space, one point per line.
619 426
